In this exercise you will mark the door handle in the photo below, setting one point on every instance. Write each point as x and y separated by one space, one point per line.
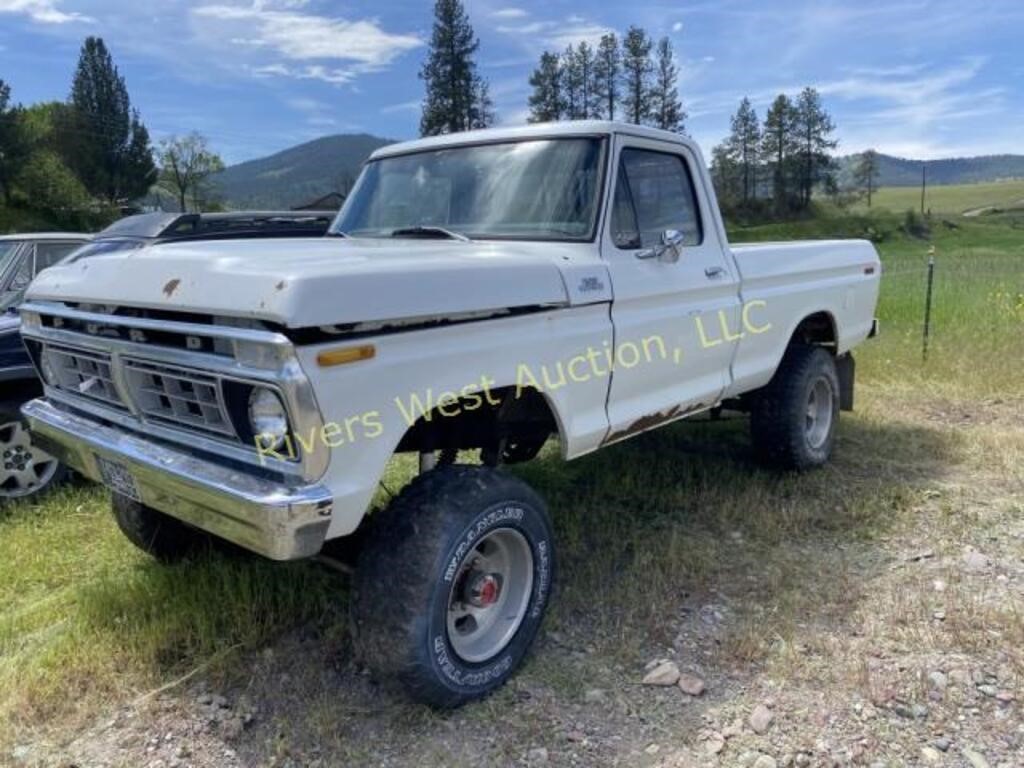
714 273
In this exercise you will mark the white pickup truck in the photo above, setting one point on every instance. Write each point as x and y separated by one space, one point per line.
487 290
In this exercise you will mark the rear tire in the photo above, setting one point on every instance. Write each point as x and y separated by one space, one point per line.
452 583
794 418
158 535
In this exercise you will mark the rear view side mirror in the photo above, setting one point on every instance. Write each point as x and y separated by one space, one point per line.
668 250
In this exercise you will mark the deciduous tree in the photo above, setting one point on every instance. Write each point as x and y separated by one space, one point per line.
186 162
14 142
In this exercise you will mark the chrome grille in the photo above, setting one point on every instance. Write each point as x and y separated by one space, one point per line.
86 374
181 397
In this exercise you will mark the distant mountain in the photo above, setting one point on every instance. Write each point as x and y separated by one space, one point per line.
306 172
900 172
298 175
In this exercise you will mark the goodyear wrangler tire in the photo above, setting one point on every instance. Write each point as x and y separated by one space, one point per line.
158 535
452 584
794 418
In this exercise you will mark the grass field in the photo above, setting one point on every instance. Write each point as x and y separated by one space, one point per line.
952 198
798 570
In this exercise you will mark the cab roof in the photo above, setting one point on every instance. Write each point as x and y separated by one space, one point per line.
534 130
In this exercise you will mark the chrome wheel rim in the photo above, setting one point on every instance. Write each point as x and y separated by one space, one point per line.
490 595
24 468
819 414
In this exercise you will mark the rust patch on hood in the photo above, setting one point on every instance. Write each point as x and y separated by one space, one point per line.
171 286
650 421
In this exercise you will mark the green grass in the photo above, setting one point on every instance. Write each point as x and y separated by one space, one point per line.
86 620
86 617
951 199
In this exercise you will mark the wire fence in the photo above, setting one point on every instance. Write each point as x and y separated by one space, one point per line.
958 271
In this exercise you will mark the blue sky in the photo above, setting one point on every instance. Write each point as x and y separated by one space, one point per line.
916 78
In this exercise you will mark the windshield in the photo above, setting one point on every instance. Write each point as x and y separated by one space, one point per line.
532 190
8 249
98 247
9 272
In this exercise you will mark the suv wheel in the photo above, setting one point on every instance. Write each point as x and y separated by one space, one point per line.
25 469
794 418
453 582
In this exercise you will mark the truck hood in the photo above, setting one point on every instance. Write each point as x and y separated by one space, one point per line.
303 283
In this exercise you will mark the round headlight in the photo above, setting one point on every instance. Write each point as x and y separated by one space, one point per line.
268 418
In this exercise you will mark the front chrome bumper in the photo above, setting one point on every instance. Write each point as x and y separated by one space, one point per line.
278 521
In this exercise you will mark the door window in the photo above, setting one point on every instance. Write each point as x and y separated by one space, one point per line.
654 193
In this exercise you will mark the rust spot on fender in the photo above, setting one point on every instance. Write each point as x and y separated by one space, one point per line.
171 286
650 421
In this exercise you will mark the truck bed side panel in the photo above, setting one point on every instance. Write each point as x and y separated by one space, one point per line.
784 283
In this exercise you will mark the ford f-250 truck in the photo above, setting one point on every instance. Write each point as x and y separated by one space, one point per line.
486 290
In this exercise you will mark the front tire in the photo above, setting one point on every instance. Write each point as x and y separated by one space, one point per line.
794 418
158 535
452 583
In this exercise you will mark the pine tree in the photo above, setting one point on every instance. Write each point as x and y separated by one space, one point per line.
813 129
607 70
572 85
455 91
112 155
778 145
865 172
585 66
666 108
546 99
482 112
637 69
744 144
726 176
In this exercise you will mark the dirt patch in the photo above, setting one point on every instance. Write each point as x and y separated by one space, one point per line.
895 643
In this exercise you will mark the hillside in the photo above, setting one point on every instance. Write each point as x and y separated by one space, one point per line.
900 172
297 175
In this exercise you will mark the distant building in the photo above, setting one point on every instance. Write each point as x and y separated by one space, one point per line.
330 202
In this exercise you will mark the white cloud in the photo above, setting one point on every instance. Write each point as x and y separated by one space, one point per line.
413 105
510 13
549 34
337 50
43 11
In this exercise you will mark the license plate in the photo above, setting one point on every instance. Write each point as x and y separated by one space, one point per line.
117 478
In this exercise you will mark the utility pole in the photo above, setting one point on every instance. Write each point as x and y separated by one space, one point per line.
924 174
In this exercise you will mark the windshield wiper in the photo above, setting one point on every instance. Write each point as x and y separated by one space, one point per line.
429 231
